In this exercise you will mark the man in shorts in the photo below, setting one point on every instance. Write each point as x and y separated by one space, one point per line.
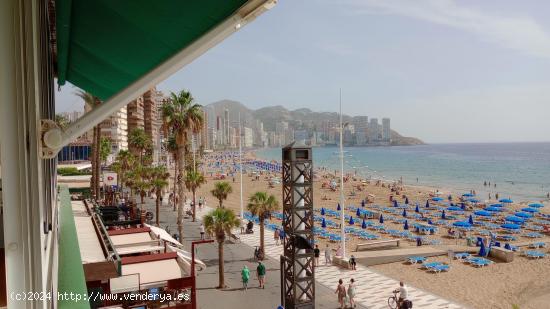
260 270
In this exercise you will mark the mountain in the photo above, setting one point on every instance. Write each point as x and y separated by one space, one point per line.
302 118
399 140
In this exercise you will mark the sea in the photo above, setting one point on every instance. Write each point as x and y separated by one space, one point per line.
520 171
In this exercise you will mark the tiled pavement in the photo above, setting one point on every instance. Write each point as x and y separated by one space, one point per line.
373 289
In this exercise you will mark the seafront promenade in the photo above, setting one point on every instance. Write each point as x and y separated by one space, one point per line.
373 289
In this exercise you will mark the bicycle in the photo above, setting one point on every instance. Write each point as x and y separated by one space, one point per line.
393 300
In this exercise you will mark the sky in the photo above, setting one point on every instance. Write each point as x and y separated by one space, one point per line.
442 70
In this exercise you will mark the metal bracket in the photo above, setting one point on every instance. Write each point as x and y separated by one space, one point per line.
50 139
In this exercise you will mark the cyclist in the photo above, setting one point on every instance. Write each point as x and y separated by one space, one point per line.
403 294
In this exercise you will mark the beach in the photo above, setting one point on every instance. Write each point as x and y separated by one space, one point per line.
524 282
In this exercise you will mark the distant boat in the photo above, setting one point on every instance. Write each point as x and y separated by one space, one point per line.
338 152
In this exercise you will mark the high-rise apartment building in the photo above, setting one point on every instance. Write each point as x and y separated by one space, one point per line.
115 128
386 130
248 137
227 134
203 135
135 114
374 133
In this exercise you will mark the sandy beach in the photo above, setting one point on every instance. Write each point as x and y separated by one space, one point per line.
523 282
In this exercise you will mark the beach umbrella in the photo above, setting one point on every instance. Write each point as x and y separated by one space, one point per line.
351 222
404 213
505 200
323 223
454 208
536 205
497 205
471 220
483 213
523 215
381 219
363 203
436 199
427 203
338 207
463 224
406 225
406 200
364 224
473 200
482 250
395 203
467 195
514 219
443 214
358 212
511 226
529 209
492 208
462 206
417 209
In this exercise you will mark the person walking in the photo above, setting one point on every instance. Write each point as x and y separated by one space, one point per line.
276 236
245 275
316 253
281 236
351 293
201 229
260 270
341 292
352 262
328 255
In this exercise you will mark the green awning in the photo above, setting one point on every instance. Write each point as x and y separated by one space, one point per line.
104 45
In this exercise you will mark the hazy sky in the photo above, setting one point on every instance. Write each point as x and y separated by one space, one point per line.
443 70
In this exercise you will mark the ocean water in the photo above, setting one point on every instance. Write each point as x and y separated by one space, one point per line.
520 170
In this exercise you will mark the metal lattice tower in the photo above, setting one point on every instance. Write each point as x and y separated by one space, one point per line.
297 269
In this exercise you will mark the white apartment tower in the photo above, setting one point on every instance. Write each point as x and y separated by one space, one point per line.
386 130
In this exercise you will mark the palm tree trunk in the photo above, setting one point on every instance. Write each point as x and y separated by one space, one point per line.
158 207
97 161
194 206
262 237
92 161
221 205
175 180
221 265
181 192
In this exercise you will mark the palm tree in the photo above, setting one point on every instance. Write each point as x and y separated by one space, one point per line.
262 205
143 184
159 180
125 160
90 102
219 222
104 150
172 147
181 116
139 142
61 121
221 190
193 180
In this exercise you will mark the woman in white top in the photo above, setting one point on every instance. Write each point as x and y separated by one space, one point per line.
351 293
